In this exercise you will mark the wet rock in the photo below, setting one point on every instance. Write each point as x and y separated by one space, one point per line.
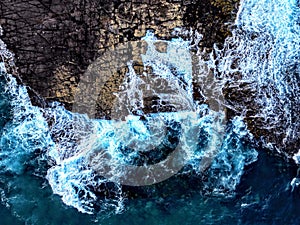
55 40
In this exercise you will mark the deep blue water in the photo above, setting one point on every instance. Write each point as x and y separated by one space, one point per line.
264 190
62 167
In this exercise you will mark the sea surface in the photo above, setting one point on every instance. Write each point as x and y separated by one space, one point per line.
195 166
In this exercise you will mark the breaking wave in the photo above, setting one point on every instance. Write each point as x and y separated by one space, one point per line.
127 151
261 62
88 160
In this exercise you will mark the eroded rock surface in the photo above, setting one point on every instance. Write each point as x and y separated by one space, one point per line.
55 41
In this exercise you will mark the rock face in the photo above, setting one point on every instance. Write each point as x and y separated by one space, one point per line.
55 40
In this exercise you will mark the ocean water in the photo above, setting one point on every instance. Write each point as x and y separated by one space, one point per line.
194 166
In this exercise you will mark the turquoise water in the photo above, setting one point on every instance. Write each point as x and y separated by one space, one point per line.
62 167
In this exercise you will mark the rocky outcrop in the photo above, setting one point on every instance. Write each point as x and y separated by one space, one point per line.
55 40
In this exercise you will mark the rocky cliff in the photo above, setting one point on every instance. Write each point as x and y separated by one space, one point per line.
55 41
